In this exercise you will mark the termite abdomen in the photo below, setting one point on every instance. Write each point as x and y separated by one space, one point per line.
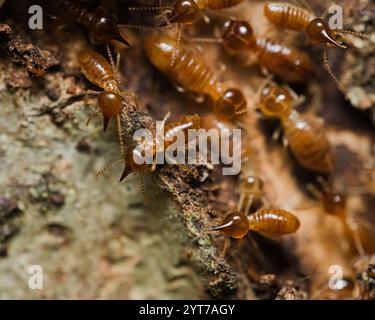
183 125
309 144
287 15
273 223
290 64
191 72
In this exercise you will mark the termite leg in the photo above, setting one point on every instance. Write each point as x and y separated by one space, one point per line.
357 241
108 167
314 191
206 18
225 247
277 133
249 203
91 117
93 92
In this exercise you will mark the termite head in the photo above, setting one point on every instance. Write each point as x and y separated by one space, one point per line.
276 102
319 31
134 161
235 225
110 105
237 35
252 184
105 29
334 203
184 11
231 104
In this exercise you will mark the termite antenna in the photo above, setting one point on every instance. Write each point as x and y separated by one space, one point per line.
330 72
120 137
353 33
177 47
143 189
136 27
206 40
108 167
147 8
111 60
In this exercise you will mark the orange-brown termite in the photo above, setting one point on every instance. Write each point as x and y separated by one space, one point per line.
110 101
191 73
171 130
219 124
185 12
294 17
290 64
304 135
135 155
271 223
335 204
100 24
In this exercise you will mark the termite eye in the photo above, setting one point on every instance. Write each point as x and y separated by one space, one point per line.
320 32
232 103
237 35
185 11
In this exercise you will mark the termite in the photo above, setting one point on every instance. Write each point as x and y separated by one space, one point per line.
193 74
335 204
220 125
290 64
294 17
110 101
304 135
185 12
271 223
135 154
171 130
100 24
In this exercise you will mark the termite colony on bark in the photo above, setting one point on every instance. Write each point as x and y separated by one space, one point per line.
226 105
